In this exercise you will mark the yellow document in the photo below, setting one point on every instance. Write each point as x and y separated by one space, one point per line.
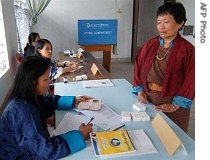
114 142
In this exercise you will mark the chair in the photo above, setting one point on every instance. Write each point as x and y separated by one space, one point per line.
19 57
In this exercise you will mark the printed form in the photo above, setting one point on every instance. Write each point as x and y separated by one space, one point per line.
105 118
97 83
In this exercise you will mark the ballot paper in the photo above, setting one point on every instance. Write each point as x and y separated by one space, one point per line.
97 83
105 118
70 122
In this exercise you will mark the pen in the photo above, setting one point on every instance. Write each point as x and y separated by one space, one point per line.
90 120
119 127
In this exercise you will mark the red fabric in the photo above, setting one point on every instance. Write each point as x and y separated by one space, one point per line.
179 78
19 57
180 117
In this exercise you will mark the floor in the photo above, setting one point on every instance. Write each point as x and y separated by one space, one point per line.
125 70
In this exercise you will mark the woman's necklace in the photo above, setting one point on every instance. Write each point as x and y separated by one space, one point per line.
158 57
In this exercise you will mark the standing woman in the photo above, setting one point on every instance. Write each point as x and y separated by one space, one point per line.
164 70
23 128
30 46
44 49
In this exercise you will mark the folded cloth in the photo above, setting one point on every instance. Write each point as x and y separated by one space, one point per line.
155 87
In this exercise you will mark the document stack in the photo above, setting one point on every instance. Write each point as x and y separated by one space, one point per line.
112 144
135 116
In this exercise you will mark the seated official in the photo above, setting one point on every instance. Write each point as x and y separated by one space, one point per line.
23 127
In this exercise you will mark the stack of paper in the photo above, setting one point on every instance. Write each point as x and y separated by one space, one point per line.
126 116
92 104
140 116
136 143
134 116
139 107
112 143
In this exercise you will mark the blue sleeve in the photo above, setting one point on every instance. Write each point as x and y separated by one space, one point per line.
137 89
75 140
23 134
59 102
66 102
182 102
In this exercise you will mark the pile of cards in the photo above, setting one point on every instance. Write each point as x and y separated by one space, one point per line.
81 77
135 116
92 104
139 107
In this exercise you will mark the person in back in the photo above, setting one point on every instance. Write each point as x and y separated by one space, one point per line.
23 128
44 49
30 46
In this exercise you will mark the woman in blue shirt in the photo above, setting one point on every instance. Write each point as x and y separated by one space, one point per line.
44 49
23 128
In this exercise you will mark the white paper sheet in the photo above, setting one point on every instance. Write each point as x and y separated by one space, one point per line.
69 122
105 118
141 142
97 83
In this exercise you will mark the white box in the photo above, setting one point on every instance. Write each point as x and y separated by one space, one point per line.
136 116
139 107
84 77
78 78
145 116
126 116
140 116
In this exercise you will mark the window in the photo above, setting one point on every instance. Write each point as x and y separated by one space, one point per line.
4 61
22 17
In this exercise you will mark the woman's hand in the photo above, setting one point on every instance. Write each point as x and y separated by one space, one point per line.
142 97
167 107
82 99
70 66
86 130
73 65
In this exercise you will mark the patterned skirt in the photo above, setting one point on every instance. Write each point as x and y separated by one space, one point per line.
180 117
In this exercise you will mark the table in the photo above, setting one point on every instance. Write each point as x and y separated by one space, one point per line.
89 60
120 98
106 53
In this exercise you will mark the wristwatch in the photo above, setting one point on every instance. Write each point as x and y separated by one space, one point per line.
64 64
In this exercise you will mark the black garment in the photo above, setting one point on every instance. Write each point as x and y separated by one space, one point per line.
29 51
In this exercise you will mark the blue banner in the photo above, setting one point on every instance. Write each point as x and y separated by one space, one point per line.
93 32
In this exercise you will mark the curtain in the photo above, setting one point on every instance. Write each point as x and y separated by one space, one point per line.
22 17
36 7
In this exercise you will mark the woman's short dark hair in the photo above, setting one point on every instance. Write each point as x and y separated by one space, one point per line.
40 45
176 9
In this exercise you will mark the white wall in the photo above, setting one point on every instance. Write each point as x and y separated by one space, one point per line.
147 19
190 13
58 22
10 32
